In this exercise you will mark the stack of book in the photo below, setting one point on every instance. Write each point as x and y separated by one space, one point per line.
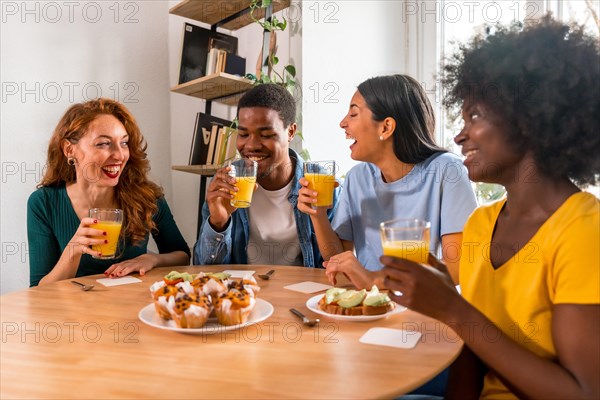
214 141
205 52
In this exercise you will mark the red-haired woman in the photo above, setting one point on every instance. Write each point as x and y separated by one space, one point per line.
97 159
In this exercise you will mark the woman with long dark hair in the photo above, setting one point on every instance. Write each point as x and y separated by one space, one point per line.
404 174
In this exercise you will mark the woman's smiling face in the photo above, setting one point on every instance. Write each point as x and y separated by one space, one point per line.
362 129
489 156
102 152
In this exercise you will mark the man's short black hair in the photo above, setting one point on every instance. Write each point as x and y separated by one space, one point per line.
274 97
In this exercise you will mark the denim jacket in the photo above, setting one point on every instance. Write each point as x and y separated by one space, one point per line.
230 246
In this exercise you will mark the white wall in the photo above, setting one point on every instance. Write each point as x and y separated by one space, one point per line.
343 44
54 54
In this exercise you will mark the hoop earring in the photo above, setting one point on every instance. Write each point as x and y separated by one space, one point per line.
71 161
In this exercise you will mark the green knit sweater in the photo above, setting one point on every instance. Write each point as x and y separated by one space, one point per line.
52 222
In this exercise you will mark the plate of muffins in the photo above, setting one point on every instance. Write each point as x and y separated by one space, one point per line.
204 303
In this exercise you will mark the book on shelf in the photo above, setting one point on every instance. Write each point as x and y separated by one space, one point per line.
211 61
196 44
221 61
204 138
212 144
235 65
219 143
226 148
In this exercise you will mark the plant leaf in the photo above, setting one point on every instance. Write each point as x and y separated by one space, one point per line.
282 25
291 70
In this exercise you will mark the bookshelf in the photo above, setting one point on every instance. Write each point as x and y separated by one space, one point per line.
220 87
228 14
204 170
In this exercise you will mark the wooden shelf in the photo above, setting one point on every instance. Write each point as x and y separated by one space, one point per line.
205 170
215 87
214 11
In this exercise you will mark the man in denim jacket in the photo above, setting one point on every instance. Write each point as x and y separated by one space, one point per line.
271 231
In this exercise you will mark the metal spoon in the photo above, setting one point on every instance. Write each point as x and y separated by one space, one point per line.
305 320
85 288
267 275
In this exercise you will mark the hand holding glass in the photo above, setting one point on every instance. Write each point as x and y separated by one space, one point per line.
321 178
244 172
406 238
109 221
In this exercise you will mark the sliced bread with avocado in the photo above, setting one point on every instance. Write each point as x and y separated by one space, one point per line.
355 302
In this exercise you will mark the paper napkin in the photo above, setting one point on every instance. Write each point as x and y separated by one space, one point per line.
391 337
118 281
238 273
308 287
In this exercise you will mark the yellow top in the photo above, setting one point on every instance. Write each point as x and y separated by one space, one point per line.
559 264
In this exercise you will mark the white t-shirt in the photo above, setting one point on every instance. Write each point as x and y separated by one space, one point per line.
273 234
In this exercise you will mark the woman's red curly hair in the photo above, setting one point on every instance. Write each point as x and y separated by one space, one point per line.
135 193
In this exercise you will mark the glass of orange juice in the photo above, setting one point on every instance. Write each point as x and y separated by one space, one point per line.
109 221
406 238
321 178
244 172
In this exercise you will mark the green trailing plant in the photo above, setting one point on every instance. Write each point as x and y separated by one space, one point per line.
287 77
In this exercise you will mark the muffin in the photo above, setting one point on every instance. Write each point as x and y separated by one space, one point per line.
234 307
161 292
250 285
190 310
209 285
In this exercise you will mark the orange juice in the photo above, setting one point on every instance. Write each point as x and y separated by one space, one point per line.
413 250
112 229
243 196
323 184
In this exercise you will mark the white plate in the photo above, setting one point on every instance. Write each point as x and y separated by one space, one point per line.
262 310
313 305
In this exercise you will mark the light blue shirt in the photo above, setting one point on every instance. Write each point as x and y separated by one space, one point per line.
437 190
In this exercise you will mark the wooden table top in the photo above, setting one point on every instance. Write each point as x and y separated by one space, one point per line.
61 342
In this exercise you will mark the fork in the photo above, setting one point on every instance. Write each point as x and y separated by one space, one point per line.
266 276
305 320
84 287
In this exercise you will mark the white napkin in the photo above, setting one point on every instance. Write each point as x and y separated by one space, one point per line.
391 337
308 287
238 273
125 280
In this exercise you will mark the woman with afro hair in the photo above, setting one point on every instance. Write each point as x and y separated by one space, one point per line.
530 264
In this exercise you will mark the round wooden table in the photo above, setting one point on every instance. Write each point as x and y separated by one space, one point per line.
61 342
